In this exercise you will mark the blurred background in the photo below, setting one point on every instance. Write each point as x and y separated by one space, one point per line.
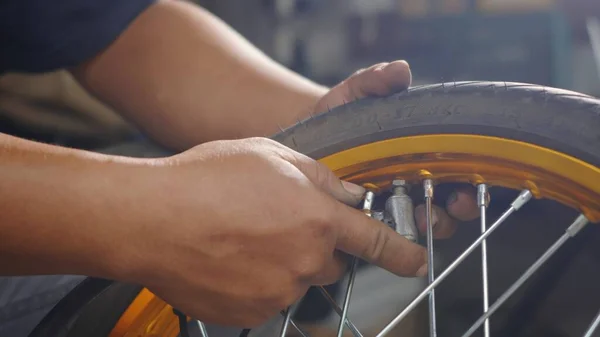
537 41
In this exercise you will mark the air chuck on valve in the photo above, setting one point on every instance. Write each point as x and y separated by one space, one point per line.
400 207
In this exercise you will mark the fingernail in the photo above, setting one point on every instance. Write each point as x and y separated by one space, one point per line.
354 189
422 272
403 62
452 198
382 66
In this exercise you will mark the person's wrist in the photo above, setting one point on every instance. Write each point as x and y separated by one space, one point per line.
114 192
151 196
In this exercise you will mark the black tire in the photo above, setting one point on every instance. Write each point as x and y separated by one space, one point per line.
561 120
92 309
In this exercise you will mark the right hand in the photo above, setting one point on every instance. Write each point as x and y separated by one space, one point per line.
236 231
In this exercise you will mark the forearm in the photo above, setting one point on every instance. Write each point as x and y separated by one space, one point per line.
185 78
59 207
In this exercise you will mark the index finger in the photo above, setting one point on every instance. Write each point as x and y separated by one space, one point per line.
376 243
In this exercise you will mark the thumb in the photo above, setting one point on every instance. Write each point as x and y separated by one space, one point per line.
322 177
376 243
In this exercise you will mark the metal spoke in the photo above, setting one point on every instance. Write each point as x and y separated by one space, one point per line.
573 229
482 202
521 200
338 310
202 328
194 325
428 188
349 288
294 324
368 204
286 321
593 327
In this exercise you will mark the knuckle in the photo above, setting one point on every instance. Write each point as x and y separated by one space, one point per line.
324 178
334 275
377 245
308 266
323 224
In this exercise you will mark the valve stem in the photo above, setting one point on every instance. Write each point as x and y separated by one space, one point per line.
400 207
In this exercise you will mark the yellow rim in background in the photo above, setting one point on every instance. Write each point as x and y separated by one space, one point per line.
443 158
147 316
474 159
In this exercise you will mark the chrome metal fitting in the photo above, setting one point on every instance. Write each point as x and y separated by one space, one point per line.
368 203
522 199
400 208
482 195
428 188
578 225
400 186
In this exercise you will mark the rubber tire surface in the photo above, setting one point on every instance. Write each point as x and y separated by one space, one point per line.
92 309
561 120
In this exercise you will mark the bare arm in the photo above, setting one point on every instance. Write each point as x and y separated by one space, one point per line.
59 207
159 223
185 77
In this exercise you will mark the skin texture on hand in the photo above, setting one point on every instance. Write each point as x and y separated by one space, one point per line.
253 225
229 232
378 80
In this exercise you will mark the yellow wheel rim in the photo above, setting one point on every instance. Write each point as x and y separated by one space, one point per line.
474 159
147 316
444 158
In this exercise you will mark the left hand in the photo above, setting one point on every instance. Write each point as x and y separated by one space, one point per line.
378 80
381 80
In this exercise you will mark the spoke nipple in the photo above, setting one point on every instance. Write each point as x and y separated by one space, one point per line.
428 187
400 207
578 225
483 197
522 199
368 203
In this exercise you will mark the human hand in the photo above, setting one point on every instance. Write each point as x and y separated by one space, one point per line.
238 230
384 79
377 80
